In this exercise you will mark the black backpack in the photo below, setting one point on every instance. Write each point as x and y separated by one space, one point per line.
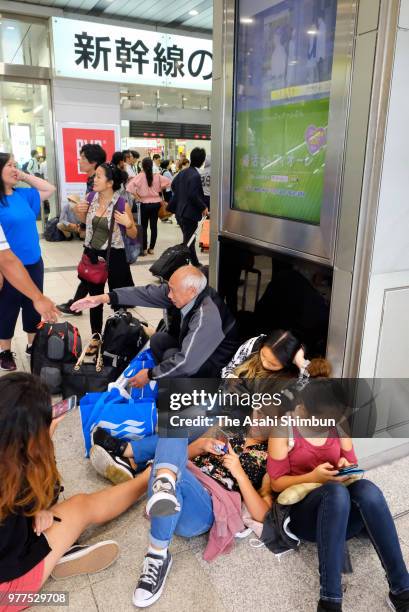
54 345
51 231
124 337
25 166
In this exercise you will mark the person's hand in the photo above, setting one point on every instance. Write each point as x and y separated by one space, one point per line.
326 472
82 207
205 212
22 176
299 358
55 423
123 219
42 521
47 309
211 445
140 380
343 463
92 301
231 461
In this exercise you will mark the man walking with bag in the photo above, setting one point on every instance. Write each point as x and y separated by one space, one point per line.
188 201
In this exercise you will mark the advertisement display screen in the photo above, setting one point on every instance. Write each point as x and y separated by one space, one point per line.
283 80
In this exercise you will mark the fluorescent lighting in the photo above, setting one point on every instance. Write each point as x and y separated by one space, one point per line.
38 109
312 32
193 12
11 28
137 95
246 20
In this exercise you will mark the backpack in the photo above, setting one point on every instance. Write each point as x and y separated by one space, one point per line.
24 167
51 231
54 345
124 336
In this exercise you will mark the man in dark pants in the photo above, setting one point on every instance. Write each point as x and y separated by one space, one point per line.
188 201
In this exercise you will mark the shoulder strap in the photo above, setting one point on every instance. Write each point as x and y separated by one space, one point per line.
90 197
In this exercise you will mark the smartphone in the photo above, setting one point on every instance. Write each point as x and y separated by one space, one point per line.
224 439
350 470
64 406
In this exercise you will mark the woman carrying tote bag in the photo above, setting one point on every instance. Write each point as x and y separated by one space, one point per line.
104 255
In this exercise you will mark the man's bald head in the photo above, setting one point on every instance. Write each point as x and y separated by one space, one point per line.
185 284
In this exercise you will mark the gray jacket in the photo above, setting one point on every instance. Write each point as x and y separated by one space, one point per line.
206 335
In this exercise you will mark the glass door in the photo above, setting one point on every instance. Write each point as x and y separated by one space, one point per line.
25 126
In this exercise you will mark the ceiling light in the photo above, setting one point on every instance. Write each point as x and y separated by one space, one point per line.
312 32
137 95
193 12
38 109
11 28
246 20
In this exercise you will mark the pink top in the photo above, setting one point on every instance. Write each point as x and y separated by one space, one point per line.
305 457
138 185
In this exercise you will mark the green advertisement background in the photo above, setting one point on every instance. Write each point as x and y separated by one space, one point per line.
269 135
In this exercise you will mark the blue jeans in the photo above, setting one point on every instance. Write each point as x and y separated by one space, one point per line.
196 510
332 514
144 450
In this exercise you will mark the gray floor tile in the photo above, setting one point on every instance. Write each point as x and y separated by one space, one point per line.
187 589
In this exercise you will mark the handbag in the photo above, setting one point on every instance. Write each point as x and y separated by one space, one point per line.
81 378
126 419
163 210
133 246
97 273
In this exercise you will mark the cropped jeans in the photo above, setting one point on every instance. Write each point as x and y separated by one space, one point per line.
196 509
332 514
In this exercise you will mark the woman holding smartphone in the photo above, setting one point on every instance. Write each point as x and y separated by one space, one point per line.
19 209
97 214
334 513
37 534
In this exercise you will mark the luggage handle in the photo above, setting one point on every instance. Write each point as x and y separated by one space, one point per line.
99 365
196 233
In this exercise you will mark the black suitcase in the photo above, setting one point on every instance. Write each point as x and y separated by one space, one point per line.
173 258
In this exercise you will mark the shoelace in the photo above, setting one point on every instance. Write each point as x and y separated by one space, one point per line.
150 570
161 485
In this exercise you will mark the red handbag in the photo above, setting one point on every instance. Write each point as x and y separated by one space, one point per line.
97 273
92 273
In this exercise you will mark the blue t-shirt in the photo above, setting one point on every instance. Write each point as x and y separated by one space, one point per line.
18 220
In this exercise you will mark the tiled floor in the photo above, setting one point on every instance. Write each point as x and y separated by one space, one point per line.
247 578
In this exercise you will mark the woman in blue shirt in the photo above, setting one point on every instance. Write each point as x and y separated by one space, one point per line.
19 208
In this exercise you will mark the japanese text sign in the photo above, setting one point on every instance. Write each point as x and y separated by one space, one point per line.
87 50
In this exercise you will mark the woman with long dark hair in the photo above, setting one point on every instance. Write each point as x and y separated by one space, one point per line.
97 215
267 354
333 513
147 188
19 209
37 534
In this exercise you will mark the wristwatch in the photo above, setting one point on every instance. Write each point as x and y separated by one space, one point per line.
149 374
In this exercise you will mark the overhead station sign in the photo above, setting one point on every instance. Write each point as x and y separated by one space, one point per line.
87 50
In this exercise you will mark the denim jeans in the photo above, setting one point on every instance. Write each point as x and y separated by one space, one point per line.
332 514
144 450
196 510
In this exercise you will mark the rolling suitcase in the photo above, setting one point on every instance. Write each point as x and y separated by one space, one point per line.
204 240
174 257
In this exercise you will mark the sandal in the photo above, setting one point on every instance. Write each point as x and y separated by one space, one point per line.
93 346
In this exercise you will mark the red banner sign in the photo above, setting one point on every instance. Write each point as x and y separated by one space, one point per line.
73 141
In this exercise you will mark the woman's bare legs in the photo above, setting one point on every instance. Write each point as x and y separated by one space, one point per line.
83 510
